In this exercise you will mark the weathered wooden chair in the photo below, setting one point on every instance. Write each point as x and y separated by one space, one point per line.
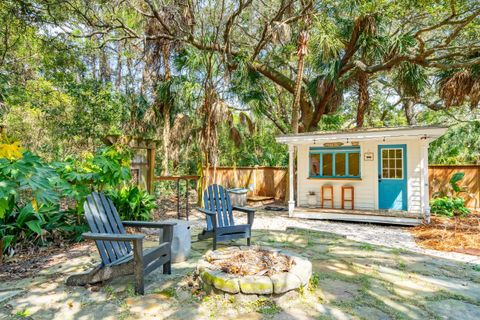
113 243
219 216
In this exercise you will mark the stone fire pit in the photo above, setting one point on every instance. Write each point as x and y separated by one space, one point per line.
253 270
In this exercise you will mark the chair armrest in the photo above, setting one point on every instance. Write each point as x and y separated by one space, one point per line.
148 224
243 209
211 214
249 211
113 237
207 212
167 234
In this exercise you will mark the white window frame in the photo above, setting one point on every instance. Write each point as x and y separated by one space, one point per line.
402 167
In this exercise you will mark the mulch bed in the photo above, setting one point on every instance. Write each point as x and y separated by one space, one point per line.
28 262
442 234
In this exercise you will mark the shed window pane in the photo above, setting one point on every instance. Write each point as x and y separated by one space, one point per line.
354 164
398 173
314 164
392 164
327 164
340 164
398 164
384 153
334 163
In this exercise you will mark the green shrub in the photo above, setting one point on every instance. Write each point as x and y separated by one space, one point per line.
133 203
108 168
449 207
447 201
31 191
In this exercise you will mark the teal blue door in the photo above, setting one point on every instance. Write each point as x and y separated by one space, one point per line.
392 177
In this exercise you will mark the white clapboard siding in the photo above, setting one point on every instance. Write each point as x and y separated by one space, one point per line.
366 190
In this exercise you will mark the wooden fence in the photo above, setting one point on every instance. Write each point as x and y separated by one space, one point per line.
261 181
273 181
439 177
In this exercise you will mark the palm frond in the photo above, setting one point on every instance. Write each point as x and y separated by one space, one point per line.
235 136
325 43
246 120
455 89
410 78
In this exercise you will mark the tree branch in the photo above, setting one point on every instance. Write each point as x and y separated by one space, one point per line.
231 20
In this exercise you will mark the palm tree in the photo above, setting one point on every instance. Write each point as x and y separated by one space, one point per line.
363 98
302 50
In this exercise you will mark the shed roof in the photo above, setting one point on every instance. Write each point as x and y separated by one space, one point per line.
385 133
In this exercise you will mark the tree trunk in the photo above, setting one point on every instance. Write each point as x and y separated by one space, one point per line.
296 100
119 67
363 98
166 138
93 63
409 112
105 70
302 52
166 114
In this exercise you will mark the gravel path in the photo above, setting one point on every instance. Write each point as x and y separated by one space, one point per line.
389 236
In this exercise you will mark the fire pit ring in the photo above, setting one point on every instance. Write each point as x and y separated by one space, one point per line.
215 275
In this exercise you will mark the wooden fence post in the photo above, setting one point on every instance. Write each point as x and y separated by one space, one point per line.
150 169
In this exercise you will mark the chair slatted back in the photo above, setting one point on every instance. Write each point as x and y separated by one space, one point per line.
102 217
217 199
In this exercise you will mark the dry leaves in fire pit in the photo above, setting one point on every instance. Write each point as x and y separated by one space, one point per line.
251 261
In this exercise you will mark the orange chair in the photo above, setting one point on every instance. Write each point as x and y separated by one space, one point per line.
324 199
352 196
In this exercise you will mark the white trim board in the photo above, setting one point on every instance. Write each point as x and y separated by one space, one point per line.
358 218
391 134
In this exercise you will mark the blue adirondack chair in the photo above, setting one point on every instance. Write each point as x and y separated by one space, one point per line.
219 216
118 256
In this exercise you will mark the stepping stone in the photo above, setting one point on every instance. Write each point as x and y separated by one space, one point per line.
250 316
338 290
5 295
149 304
454 309
371 313
458 286
332 313
109 311
318 249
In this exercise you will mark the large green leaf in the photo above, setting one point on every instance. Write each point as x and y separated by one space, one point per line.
7 188
35 226
25 214
6 241
3 207
456 177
